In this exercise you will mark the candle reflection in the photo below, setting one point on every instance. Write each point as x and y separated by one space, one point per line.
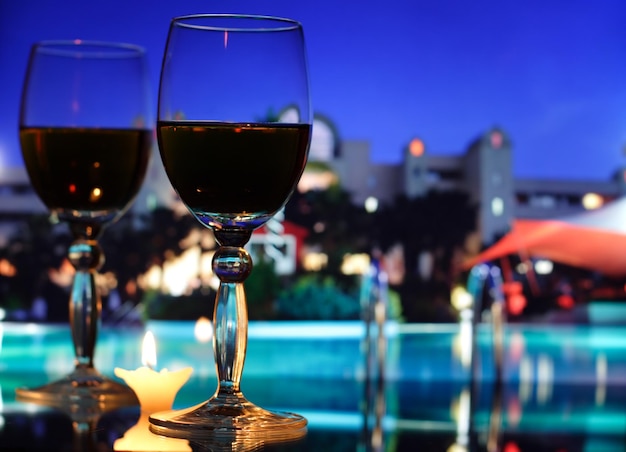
156 391
140 438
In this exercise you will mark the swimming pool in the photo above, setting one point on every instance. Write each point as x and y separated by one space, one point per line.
564 385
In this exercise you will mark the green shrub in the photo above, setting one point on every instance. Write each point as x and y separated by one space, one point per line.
315 298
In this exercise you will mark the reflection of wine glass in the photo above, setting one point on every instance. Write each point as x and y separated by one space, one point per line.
234 126
86 144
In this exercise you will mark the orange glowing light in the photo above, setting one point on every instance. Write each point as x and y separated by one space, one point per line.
131 287
566 301
511 447
496 140
516 303
96 194
7 269
416 147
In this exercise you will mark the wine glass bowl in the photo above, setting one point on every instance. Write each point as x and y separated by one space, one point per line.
85 175
86 146
233 128
244 197
83 127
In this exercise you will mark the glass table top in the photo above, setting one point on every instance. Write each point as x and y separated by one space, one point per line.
441 416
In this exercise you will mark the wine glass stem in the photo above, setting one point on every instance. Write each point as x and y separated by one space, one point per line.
84 316
230 322
86 256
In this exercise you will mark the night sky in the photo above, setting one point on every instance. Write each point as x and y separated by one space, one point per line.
551 73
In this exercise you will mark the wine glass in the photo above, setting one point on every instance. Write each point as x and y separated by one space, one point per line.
86 143
234 125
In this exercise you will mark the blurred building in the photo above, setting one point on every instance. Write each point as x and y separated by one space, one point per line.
18 199
483 170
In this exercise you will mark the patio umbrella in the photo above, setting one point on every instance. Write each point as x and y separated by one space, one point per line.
594 240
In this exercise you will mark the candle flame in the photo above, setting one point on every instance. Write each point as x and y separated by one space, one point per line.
148 351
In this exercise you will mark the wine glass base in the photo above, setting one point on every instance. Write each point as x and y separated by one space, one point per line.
222 420
83 386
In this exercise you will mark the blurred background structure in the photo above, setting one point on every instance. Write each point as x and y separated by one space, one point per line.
437 125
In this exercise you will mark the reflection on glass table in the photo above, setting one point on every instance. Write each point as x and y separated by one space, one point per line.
429 415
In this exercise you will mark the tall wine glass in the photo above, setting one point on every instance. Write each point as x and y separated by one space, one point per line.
234 126
86 143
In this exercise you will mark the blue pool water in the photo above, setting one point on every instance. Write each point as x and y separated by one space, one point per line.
561 382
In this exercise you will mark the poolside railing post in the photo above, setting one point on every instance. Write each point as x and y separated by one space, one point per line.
374 301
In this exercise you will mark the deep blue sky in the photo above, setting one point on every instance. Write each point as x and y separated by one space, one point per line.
551 73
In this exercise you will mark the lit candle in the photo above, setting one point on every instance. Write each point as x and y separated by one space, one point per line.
156 391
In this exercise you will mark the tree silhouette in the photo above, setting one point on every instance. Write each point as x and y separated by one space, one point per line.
437 223
37 246
134 244
335 224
